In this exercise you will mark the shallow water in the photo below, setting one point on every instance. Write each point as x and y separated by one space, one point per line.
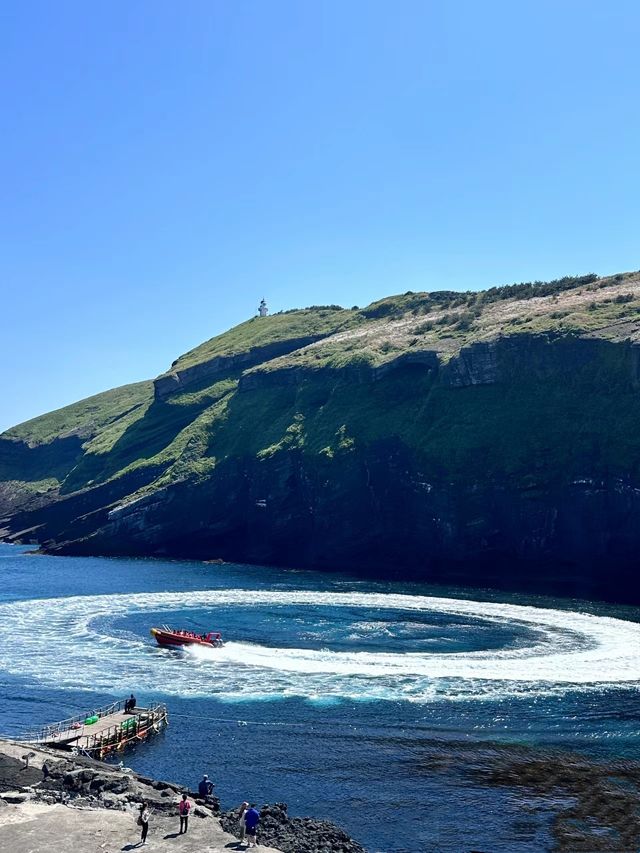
347 699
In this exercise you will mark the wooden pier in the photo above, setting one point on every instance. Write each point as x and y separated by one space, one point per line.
102 731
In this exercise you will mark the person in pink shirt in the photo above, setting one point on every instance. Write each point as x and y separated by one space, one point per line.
184 808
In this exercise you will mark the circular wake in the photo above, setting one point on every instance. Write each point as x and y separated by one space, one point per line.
71 642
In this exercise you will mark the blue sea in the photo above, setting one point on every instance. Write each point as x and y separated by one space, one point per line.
370 704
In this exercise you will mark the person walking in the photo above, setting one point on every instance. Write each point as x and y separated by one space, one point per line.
184 809
143 821
241 827
251 821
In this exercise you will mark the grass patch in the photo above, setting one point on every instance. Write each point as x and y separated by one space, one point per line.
260 331
86 417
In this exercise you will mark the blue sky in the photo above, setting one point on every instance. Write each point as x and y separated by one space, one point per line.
164 166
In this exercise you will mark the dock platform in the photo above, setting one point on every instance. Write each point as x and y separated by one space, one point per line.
102 731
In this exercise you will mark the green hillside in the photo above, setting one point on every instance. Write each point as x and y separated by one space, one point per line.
126 429
99 413
261 331
455 410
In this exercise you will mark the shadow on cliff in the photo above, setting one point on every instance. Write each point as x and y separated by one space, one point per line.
147 437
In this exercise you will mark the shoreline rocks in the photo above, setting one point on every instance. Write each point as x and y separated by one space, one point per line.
54 780
295 834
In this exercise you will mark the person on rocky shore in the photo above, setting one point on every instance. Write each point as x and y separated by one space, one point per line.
205 787
251 821
241 826
143 821
184 808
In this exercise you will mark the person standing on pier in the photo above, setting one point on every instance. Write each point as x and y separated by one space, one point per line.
184 809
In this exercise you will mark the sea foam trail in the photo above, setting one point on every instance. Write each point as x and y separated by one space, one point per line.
57 641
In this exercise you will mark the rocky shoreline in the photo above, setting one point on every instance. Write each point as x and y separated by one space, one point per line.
590 806
67 804
596 804
56 788
296 834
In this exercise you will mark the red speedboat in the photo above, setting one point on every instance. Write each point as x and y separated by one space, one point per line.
177 638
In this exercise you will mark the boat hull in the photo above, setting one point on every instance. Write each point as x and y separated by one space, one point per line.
175 640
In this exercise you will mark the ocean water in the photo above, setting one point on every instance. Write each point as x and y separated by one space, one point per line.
366 703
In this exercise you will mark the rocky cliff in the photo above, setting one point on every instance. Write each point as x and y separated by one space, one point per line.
485 438
72 798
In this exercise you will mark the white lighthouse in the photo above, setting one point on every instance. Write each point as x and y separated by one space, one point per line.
263 310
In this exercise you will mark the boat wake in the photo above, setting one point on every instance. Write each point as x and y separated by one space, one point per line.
76 643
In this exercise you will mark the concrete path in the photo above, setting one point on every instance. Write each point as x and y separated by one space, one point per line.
35 828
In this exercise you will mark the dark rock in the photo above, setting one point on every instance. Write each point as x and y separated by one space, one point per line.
15 776
161 785
15 797
200 812
115 784
295 835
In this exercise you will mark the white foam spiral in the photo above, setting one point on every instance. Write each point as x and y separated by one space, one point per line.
57 642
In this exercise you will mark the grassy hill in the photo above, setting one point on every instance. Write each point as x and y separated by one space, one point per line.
99 413
261 331
424 432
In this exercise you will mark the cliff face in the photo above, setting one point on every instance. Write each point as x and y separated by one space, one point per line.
218 366
375 513
488 454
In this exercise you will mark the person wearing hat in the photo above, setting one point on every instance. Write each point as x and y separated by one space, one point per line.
205 787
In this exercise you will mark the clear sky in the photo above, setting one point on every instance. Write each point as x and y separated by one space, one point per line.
164 165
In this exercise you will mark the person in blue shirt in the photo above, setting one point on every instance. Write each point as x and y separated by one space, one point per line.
251 821
205 787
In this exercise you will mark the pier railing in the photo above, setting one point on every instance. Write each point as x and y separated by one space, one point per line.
118 735
100 740
53 730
